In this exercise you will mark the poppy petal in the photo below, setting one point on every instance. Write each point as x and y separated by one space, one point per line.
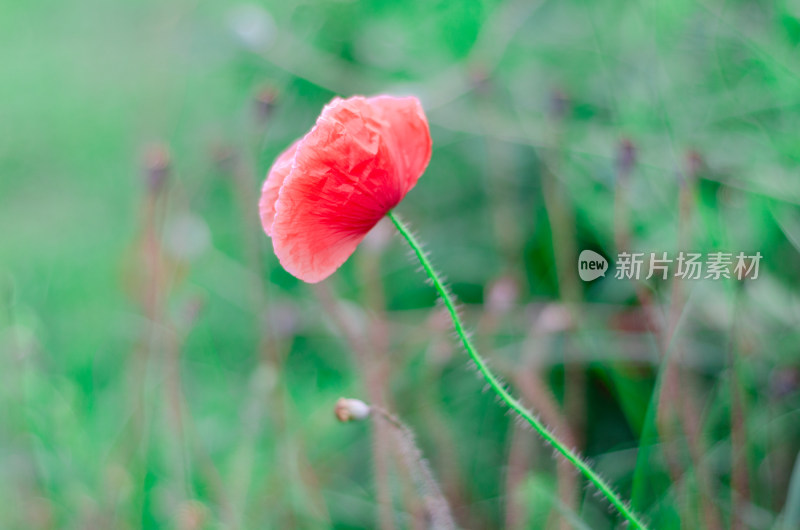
272 185
355 165
406 132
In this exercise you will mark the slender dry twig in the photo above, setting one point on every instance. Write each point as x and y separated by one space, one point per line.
263 400
672 391
740 476
519 463
377 365
370 356
553 318
154 279
174 397
562 226
435 503
533 389
149 280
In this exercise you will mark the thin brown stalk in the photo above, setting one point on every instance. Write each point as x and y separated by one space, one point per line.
148 277
562 226
740 476
519 463
501 296
247 204
153 278
174 399
673 391
371 357
263 400
377 369
453 480
688 415
534 390
436 506
561 217
626 161
181 422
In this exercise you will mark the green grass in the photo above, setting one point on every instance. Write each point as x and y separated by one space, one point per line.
89 433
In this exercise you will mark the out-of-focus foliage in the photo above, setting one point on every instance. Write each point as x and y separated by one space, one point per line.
159 369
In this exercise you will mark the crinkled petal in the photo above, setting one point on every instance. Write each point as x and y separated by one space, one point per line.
272 185
406 133
355 165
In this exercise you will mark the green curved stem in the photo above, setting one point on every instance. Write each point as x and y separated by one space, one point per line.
501 391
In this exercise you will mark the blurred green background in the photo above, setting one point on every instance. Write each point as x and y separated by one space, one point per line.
158 369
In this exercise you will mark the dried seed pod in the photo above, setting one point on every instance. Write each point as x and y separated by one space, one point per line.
156 166
626 157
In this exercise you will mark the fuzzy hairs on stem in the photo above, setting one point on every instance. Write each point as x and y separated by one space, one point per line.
503 394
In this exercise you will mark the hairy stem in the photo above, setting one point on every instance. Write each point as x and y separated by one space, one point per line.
501 391
435 503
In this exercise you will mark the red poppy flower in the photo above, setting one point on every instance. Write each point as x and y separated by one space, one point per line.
325 192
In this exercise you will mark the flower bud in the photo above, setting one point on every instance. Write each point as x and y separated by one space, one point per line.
156 166
351 410
626 157
265 103
695 164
